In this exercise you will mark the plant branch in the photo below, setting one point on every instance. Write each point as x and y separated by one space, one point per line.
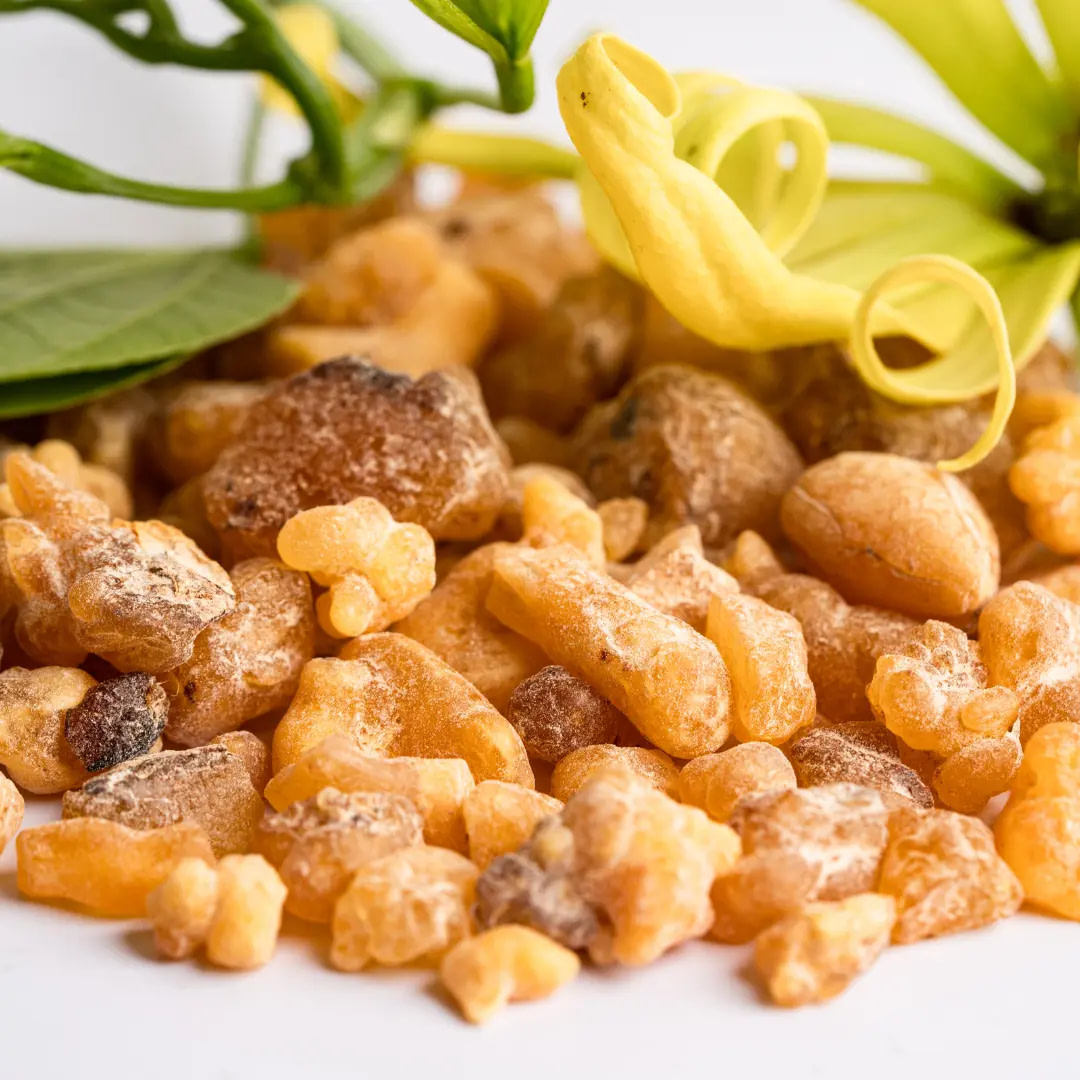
249 165
444 97
161 44
258 46
343 164
378 139
516 85
357 42
515 80
249 161
44 165
279 59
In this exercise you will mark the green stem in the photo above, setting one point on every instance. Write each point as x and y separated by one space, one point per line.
342 165
249 164
1075 304
282 62
258 46
356 42
161 15
378 139
516 85
160 45
444 97
44 165
516 81
393 116
249 161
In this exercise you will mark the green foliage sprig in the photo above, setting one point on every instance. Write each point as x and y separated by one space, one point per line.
77 324
346 161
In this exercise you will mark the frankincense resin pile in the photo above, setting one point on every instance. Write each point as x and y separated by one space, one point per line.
566 637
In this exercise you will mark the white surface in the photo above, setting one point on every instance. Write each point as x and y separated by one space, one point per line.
83 997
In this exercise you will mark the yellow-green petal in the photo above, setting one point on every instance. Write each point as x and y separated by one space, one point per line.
976 50
897 223
865 226
1062 21
982 357
510 155
944 160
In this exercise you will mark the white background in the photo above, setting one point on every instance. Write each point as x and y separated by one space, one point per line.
63 85
83 997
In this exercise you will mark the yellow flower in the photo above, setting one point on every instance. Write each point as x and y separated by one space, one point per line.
684 185
655 147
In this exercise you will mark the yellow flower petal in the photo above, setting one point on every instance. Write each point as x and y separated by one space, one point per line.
1062 22
1032 287
654 214
953 376
976 50
510 155
734 134
864 228
944 160
749 168
1013 305
716 120
699 255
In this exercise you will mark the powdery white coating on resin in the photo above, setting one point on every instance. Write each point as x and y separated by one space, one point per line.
207 786
424 449
839 831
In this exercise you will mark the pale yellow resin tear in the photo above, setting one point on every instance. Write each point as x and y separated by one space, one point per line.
655 208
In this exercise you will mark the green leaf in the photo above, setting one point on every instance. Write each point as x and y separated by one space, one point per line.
33 396
92 311
512 23
504 29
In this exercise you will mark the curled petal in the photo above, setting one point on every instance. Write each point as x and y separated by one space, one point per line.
714 121
689 242
955 376
672 191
